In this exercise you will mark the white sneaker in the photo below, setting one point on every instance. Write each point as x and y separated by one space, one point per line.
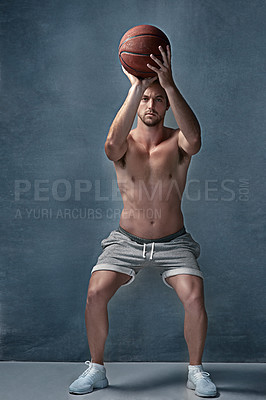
93 378
201 382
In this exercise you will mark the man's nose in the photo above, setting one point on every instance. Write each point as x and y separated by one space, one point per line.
151 103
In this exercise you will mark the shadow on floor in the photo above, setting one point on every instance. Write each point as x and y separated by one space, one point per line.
150 382
248 382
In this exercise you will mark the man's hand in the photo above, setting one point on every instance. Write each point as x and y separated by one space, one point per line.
142 83
164 72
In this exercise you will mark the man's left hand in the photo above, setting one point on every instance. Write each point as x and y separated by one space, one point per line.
164 71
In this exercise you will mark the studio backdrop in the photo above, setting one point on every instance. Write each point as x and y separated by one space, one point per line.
61 86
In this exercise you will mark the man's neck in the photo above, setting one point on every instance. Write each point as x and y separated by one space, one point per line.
150 136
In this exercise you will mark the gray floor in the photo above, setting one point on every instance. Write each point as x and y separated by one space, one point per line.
145 381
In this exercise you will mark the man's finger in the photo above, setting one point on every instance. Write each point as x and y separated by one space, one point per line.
165 60
124 70
168 54
153 68
156 60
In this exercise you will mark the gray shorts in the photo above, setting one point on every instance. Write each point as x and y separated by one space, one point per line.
171 255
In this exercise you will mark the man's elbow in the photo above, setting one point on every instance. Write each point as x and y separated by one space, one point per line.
195 145
113 151
109 150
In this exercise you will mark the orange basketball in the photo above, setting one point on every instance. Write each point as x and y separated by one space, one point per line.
136 46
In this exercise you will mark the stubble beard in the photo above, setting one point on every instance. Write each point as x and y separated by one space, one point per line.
150 122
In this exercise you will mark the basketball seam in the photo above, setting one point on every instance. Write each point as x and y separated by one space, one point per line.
144 34
139 54
134 69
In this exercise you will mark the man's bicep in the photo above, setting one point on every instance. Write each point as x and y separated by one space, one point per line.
190 147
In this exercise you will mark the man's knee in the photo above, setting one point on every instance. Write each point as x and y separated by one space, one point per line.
193 301
103 285
99 294
96 296
190 291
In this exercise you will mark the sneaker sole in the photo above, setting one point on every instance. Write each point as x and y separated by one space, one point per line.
191 386
98 385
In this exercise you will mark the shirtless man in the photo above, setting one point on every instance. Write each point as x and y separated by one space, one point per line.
151 164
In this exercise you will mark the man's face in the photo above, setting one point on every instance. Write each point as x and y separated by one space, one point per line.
153 105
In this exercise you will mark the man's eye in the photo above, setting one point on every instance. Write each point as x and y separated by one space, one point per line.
144 98
159 99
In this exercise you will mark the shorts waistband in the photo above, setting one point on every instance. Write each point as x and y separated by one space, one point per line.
140 240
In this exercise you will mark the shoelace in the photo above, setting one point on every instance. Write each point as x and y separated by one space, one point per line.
202 375
88 369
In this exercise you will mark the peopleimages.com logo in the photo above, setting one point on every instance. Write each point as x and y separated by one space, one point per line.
62 190
104 200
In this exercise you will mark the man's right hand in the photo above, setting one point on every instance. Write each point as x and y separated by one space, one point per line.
143 83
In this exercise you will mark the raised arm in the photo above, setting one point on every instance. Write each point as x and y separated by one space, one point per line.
189 136
116 141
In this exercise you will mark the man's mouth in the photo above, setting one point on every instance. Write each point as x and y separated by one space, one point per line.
150 113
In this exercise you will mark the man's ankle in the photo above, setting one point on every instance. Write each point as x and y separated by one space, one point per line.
95 361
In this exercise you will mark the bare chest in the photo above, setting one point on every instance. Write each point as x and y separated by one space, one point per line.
156 163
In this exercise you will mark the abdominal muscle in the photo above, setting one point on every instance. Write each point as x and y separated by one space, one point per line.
152 212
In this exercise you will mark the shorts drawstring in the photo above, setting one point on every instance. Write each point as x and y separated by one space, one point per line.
152 250
144 250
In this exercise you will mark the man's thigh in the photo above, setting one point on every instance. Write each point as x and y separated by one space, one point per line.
187 286
107 282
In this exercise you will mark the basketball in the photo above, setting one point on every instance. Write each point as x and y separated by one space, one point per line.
136 46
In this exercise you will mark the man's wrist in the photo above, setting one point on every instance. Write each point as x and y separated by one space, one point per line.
137 88
171 89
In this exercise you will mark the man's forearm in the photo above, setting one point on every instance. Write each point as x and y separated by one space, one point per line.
116 142
184 116
123 121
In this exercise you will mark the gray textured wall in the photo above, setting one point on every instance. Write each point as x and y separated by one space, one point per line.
61 85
